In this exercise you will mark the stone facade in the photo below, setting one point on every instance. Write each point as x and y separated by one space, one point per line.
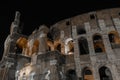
83 47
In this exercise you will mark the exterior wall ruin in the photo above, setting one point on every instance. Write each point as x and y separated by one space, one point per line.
77 48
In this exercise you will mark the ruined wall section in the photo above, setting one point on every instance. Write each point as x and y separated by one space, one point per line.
101 22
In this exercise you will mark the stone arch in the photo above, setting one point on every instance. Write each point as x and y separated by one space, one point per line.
69 46
114 38
71 75
57 45
87 74
105 73
98 43
50 45
83 46
21 44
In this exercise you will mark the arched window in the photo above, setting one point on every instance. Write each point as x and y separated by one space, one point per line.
114 39
98 43
98 49
69 46
105 73
111 37
71 75
87 74
83 46
21 44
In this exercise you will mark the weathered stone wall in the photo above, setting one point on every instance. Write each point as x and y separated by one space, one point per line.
102 22
54 63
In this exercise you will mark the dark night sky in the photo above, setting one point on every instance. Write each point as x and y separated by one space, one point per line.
34 14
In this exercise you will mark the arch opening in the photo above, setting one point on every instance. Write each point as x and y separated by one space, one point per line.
105 73
114 39
98 43
58 47
20 45
87 74
83 46
71 75
69 46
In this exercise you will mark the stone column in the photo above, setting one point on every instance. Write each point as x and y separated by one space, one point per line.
62 42
95 72
34 59
53 70
111 57
114 72
30 45
90 45
87 27
108 49
91 51
89 39
76 53
105 37
117 24
43 43
101 24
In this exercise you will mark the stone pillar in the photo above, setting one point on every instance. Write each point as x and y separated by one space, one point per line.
91 51
95 72
90 45
114 72
117 24
30 45
66 49
89 39
34 59
106 41
76 53
54 73
43 43
111 57
101 24
87 27
62 35
62 42
108 49
53 70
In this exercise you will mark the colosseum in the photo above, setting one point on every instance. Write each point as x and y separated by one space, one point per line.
83 47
